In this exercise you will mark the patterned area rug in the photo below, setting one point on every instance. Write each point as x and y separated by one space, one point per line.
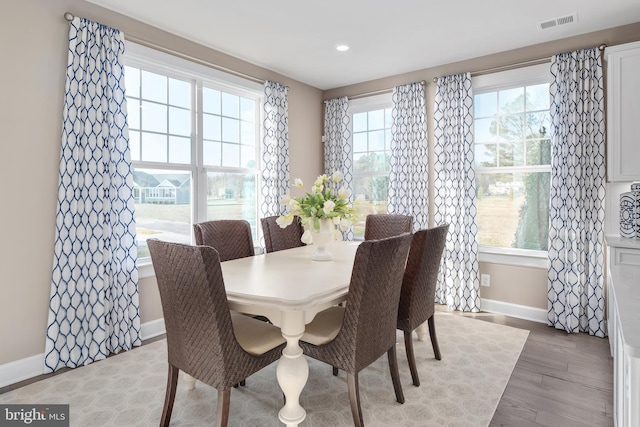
462 389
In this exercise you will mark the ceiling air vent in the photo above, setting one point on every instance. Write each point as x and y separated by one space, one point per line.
569 19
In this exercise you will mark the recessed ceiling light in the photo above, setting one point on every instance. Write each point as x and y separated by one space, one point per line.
342 47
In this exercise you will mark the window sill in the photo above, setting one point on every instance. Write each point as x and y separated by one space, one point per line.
145 269
519 258
515 257
145 266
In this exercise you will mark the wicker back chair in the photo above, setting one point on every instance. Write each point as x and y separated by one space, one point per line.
230 237
381 226
277 238
352 337
417 298
204 339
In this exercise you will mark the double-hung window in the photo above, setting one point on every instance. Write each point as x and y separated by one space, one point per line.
512 155
194 137
371 137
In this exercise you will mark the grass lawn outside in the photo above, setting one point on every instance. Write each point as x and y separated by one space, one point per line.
498 218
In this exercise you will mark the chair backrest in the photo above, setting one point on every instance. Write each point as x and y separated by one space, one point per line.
381 226
369 326
230 237
420 277
200 337
277 238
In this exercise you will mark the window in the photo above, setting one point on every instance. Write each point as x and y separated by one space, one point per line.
371 122
194 137
513 155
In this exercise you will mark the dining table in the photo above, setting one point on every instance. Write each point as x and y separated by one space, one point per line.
289 288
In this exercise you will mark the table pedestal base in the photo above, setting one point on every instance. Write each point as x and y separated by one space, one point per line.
421 331
189 381
292 370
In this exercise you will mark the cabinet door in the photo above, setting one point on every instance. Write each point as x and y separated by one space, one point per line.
623 112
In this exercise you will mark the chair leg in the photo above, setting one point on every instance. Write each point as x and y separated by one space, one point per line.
172 382
434 338
222 413
395 375
354 399
408 345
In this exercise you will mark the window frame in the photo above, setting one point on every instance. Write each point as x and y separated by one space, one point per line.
524 76
361 105
200 76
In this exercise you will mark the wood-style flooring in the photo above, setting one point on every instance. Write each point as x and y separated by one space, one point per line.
560 379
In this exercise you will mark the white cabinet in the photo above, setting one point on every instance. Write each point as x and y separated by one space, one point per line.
623 322
623 112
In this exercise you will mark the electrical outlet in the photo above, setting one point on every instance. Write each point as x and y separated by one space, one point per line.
485 280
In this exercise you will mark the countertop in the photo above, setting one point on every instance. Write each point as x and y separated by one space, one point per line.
622 242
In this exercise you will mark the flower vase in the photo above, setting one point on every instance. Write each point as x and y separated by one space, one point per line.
322 238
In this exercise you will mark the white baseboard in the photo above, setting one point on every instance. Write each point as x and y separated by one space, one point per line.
20 370
32 366
515 310
152 329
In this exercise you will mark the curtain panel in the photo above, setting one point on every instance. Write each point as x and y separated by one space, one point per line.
455 193
93 308
408 177
576 231
338 148
275 149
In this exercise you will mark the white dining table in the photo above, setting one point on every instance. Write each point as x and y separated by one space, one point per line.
289 288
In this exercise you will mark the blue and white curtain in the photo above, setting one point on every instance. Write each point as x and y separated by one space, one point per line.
275 149
408 177
338 148
455 193
576 235
93 309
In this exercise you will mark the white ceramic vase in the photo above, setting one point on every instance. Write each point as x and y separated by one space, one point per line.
322 238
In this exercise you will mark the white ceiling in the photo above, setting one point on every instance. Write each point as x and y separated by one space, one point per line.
297 38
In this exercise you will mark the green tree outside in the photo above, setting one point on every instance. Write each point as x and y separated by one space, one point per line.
521 140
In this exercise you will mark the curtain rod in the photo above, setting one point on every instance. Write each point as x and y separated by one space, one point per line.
375 92
69 17
516 65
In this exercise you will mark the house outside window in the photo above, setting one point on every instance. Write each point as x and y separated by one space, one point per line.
194 136
513 161
371 122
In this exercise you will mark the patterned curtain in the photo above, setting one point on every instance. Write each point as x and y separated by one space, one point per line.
455 193
275 149
93 309
576 236
338 149
408 178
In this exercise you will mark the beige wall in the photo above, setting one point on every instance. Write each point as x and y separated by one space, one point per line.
34 38
515 285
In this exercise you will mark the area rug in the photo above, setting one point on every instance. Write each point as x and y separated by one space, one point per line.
462 389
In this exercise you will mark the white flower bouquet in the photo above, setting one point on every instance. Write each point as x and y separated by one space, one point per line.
327 200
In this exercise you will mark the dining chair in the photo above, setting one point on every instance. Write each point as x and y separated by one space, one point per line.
381 226
353 336
230 237
204 339
417 297
277 238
